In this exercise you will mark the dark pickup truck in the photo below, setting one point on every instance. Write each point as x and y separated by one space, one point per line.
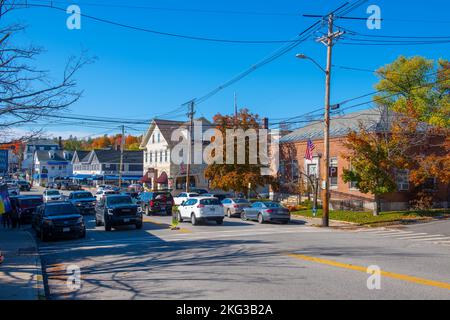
117 210
84 201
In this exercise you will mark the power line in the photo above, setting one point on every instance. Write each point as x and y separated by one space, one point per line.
161 33
205 11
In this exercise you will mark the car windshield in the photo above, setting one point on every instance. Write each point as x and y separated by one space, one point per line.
241 201
60 210
53 193
119 200
210 202
83 195
272 205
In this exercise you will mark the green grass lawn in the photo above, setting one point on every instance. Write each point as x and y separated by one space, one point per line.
367 218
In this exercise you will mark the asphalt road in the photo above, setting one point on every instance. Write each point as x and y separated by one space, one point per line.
244 260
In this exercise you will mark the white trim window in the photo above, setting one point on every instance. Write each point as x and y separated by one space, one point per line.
402 180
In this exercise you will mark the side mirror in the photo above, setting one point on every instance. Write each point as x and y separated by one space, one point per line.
183 203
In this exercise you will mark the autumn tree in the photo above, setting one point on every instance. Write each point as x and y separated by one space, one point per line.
237 177
413 133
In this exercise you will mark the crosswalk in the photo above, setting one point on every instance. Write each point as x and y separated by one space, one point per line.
405 235
167 239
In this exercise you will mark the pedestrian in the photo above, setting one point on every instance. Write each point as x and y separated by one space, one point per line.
6 219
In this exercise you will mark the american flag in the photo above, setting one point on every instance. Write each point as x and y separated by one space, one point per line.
309 150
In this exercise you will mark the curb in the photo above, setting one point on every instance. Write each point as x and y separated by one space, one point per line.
38 277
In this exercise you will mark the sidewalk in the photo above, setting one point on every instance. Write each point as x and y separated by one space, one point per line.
318 222
21 272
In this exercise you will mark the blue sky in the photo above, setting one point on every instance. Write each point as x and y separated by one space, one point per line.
139 75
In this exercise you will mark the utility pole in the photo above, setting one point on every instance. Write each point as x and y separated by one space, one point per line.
235 111
328 41
122 146
189 156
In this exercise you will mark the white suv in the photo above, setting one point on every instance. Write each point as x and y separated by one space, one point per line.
201 209
183 197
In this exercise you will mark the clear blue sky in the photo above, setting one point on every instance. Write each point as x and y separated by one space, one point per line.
139 75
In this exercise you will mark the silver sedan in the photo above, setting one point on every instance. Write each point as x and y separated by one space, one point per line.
235 206
267 212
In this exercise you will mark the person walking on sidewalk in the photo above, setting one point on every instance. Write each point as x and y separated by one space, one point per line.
6 219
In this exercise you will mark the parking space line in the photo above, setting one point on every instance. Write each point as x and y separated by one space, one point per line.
392 275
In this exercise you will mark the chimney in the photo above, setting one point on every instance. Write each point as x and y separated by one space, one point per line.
60 143
266 123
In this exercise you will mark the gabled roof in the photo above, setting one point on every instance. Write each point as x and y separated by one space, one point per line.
79 155
167 127
58 155
113 156
371 119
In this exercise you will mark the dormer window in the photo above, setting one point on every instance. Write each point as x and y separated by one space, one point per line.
159 137
153 138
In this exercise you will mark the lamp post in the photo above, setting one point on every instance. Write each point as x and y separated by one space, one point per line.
326 153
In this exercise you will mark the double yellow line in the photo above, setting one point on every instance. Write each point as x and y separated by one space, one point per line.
398 276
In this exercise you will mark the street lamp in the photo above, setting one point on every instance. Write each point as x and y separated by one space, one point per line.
305 57
326 172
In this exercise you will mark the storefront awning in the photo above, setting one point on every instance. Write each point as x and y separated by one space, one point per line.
163 179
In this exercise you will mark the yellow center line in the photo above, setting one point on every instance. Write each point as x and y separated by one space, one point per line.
398 276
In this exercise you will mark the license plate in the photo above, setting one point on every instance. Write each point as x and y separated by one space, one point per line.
66 229
212 209
126 220
126 210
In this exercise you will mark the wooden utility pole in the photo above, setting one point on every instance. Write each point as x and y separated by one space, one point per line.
189 155
122 146
328 41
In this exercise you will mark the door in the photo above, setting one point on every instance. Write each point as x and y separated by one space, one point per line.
252 212
184 209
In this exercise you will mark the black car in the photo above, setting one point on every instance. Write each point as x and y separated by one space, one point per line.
156 202
26 206
117 210
84 201
58 219
24 185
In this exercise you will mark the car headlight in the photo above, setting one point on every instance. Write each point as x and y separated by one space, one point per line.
48 222
94 203
78 204
110 212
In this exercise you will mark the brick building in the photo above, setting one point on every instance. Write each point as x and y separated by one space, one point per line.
294 166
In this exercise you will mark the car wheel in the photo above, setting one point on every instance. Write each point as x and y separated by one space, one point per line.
229 213
139 226
219 222
243 216
260 219
83 234
179 218
97 223
194 220
107 226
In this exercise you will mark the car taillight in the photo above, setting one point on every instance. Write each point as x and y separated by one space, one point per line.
269 211
152 203
200 206
236 206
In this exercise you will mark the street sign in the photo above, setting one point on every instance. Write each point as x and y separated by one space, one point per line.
3 161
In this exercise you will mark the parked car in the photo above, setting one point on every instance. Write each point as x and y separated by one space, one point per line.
104 192
156 202
52 195
200 191
26 206
24 185
58 219
53 185
219 196
235 206
135 188
117 210
183 197
70 186
84 201
201 209
267 212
